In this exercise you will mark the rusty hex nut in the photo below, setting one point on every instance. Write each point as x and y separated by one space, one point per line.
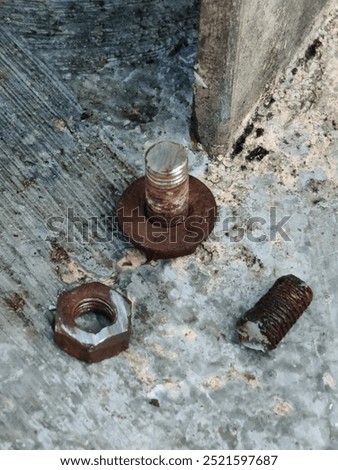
84 345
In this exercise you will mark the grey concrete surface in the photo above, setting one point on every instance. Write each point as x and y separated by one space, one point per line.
243 46
74 138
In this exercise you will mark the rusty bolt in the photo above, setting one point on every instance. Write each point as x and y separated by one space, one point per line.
166 213
95 298
266 324
167 183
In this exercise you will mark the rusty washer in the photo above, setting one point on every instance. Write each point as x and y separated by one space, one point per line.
167 213
266 324
100 299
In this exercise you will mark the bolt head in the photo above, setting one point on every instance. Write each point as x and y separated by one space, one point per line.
163 242
84 345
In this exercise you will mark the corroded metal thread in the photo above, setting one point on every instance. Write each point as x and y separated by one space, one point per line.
266 324
94 306
167 183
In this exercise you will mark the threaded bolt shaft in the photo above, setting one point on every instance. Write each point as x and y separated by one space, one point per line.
167 183
266 324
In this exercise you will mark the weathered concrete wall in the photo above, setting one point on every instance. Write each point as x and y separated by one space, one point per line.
242 47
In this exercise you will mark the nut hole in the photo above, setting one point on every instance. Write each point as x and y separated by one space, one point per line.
92 315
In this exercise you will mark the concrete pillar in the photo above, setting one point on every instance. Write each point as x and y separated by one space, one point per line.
243 45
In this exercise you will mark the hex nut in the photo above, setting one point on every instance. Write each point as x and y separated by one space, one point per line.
86 346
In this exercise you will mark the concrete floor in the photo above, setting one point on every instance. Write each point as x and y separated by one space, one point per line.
74 135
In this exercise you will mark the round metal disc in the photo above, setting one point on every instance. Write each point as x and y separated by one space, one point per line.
161 242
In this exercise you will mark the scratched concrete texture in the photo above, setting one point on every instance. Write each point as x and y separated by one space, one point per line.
81 99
